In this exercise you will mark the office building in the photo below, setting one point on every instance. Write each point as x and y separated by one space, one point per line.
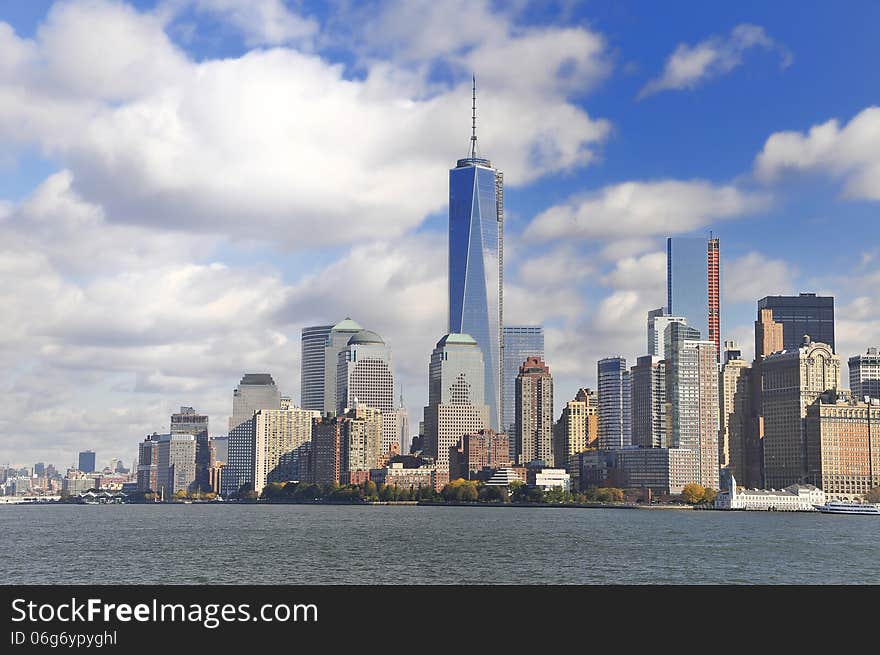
693 283
360 444
87 461
397 474
455 398
148 464
313 343
575 431
793 379
176 464
337 340
692 395
864 375
520 342
843 445
326 451
768 334
187 421
735 419
476 233
364 373
256 391
662 470
648 382
794 498
282 437
658 319
549 479
534 412
803 315
614 398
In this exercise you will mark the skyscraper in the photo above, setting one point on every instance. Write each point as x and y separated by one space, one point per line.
363 372
87 461
176 463
692 395
575 431
314 340
520 343
534 412
864 375
693 283
337 340
282 437
255 391
793 380
187 421
768 336
615 396
804 314
658 319
456 398
648 379
476 235
735 422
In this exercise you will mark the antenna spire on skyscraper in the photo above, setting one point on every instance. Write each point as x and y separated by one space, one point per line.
474 120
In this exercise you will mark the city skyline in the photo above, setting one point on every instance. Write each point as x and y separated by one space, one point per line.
164 292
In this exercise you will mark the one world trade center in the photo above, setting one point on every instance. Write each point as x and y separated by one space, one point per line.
476 234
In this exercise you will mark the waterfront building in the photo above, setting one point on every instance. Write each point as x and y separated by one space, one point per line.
76 483
337 340
176 464
282 437
648 381
87 461
520 342
455 398
658 319
476 236
864 375
792 381
692 394
575 431
735 419
313 342
475 452
397 474
614 398
534 412
843 445
693 284
662 470
804 314
254 392
794 498
548 479
503 477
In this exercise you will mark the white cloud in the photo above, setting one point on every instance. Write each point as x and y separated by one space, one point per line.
279 143
850 153
753 276
262 22
689 66
646 273
640 209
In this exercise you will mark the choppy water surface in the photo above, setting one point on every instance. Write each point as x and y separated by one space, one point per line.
304 544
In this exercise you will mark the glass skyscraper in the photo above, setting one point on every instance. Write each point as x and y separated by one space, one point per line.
804 314
314 340
520 343
693 283
476 230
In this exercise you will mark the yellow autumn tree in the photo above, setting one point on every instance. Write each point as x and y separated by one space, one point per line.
693 493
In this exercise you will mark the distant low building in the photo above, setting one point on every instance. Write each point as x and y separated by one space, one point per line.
794 498
549 479
396 474
662 470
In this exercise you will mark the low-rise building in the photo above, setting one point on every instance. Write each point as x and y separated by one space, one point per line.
662 470
794 498
396 474
548 479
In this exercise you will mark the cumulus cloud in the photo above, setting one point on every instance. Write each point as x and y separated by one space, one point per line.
638 209
281 142
691 65
262 22
850 153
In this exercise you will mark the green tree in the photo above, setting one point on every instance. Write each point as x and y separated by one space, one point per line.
709 496
492 494
554 495
873 495
693 493
272 490
517 490
609 495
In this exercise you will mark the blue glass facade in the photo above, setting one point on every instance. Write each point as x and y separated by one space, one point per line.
687 281
475 264
520 343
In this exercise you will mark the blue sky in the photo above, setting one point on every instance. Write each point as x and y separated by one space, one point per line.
187 183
